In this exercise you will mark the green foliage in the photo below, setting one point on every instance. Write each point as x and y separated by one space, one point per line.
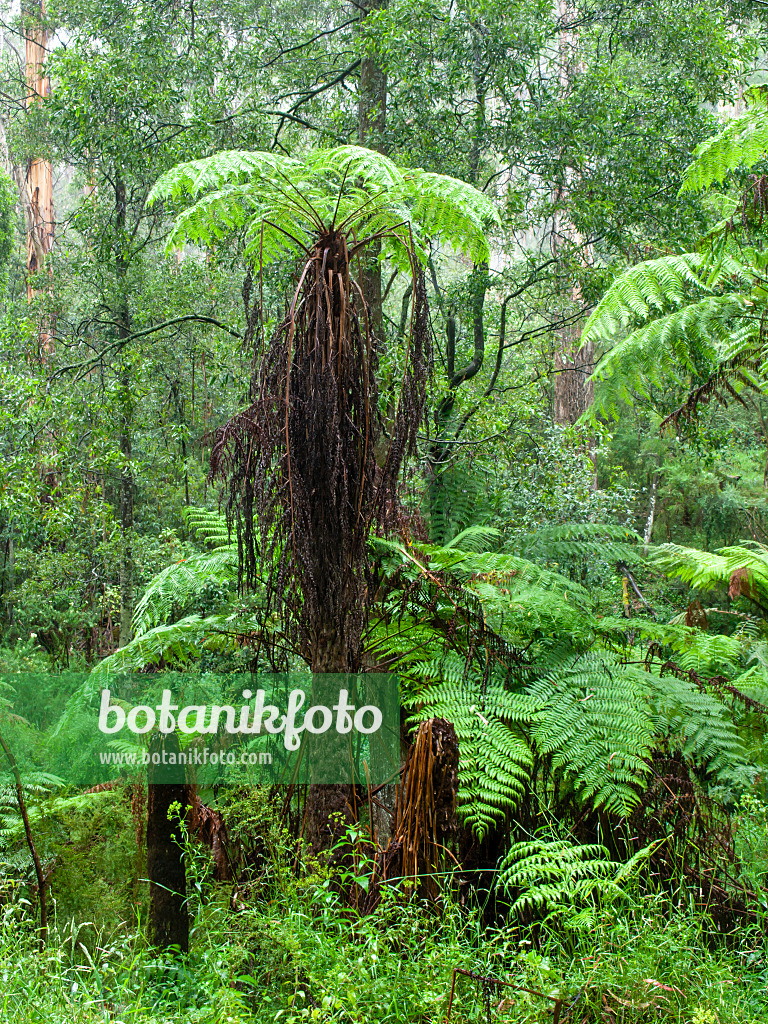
681 318
562 878
8 200
692 319
185 580
283 202
711 570
568 714
741 143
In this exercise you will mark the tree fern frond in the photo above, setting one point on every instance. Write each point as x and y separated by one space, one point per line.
208 526
283 203
707 570
177 584
741 143
563 541
655 285
699 725
453 210
176 643
195 177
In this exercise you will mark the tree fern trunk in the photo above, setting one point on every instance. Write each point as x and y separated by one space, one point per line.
168 917
329 808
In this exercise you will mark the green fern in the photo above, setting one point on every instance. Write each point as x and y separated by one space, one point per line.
695 318
706 570
561 877
175 643
282 203
741 143
565 542
590 720
676 319
180 583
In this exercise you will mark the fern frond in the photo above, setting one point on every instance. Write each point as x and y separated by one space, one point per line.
565 541
707 570
176 643
594 722
177 584
282 203
655 285
208 526
741 143
557 876
699 725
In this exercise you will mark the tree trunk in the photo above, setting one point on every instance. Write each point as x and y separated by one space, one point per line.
372 120
651 513
125 414
573 391
39 874
168 916
574 362
9 577
126 509
36 183
330 807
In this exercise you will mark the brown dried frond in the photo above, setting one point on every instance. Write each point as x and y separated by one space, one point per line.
303 484
717 387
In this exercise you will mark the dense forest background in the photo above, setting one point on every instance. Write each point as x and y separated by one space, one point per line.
555 534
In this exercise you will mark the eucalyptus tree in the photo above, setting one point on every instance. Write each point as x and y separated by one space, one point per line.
135 87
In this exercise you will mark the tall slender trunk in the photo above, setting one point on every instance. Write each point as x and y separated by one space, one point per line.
125 415
574 362
372 121
9 576
168 915
651 513
35 183
39 874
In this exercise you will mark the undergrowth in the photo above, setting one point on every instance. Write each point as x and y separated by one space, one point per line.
289 949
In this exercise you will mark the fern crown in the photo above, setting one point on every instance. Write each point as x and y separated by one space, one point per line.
283 203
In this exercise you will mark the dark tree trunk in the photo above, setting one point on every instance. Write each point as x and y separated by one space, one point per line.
329 808
168 917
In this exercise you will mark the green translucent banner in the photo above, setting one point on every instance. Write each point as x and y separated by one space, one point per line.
216 729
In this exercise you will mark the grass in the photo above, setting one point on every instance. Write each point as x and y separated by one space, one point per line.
297 953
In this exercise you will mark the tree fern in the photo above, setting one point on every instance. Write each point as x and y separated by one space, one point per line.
694 319
282 203
699 725
741 143
678 319
175 643
593 722
570 706
563 542
743 568
495 759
